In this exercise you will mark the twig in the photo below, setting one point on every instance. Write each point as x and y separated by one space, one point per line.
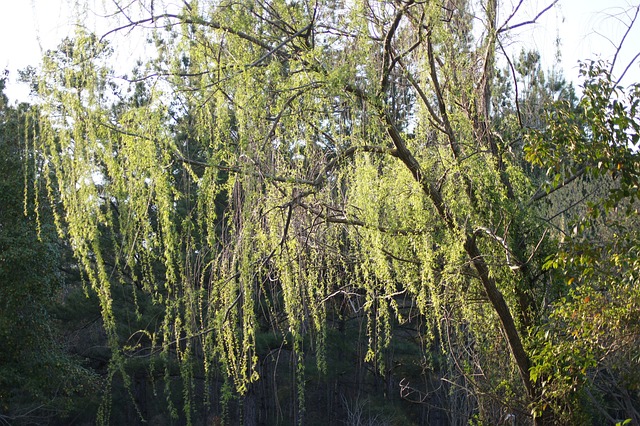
532 21
619 47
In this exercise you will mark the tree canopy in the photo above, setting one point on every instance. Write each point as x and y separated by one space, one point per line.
280 167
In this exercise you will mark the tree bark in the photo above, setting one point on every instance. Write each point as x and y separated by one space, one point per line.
493 293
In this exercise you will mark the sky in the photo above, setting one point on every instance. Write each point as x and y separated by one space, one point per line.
588 29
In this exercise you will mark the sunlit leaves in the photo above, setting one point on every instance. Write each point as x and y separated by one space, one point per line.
277 160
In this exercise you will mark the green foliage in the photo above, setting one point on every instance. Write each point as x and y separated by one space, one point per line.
599 138
276 169
39 379
589 345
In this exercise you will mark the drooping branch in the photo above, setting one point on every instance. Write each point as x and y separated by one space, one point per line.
471 248
483 125
278 117
348 153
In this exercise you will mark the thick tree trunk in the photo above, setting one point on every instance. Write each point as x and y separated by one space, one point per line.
493 293
501 308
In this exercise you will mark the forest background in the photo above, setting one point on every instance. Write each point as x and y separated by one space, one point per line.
319 213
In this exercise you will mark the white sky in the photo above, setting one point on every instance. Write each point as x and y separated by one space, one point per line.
588 29
585 27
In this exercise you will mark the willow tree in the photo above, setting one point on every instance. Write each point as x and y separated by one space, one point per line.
284 154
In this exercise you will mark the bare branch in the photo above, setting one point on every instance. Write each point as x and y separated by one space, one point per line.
515 83
619 47
356 222
278 47
622 40
635 58
386 68
541 193
508 253
513 13
190 20
532 21
453 143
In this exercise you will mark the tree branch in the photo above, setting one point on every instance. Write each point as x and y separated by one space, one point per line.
423 98
532 21
453 143
541 193
515 83
386 54
619 47
356 222
191 20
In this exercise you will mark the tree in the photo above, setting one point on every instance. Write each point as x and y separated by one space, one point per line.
586 349
39 380
346 154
